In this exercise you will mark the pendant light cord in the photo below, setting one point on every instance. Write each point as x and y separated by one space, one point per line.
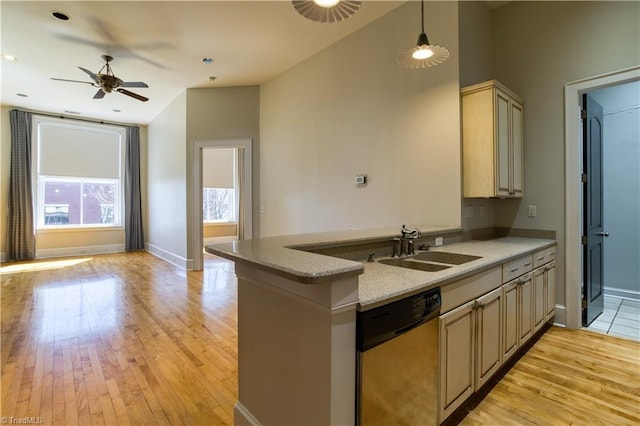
422 13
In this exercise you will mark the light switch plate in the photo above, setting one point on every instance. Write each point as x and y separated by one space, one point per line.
438 242
532 211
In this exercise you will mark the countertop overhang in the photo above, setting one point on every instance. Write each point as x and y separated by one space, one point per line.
290 257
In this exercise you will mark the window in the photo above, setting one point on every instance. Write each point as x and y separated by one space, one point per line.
78 174
218 205
220 195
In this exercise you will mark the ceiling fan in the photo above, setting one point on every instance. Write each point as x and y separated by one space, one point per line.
107 82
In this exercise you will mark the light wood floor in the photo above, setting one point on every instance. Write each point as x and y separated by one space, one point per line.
120 339
130 339
569 377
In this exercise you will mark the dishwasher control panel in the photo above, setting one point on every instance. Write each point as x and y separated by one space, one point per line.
378 325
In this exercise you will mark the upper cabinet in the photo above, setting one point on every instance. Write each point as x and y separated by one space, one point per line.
492 141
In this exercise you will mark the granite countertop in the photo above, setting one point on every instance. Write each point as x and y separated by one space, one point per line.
286 256
378 283
382 284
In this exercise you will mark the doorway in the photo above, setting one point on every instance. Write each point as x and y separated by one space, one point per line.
242 174
574 220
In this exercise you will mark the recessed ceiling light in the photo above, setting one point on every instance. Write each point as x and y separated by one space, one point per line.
21 95
9 57
60 15
207 60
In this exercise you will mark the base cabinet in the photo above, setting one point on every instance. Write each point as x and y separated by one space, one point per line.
470 351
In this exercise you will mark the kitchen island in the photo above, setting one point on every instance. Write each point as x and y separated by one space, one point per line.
297 314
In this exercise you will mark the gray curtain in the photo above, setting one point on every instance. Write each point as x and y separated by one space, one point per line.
134 237
21 239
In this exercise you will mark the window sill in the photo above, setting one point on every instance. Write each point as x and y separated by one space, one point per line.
80 229
212 224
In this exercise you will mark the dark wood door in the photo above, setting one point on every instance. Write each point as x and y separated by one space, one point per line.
593 233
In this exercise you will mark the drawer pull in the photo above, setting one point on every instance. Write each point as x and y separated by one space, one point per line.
526 264
551 253
540 257
513 270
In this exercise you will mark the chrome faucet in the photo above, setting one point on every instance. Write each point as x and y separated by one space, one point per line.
405 244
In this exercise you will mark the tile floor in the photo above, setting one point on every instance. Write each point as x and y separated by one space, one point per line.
621 317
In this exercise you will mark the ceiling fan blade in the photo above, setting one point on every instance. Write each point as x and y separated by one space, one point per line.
133 95
133 84
99 94
93 76
72 81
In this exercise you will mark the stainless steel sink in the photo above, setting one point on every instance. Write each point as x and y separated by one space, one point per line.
420 266
445 257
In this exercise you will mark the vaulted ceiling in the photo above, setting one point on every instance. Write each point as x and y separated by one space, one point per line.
161 43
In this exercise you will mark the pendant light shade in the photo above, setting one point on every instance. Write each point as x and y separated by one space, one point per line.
424 54
326 10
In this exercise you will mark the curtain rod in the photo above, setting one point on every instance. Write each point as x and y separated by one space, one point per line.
76 118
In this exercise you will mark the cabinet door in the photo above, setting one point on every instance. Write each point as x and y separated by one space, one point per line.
525 307
510 336
488 342
456 358
517 149
539 298
503 150
550 279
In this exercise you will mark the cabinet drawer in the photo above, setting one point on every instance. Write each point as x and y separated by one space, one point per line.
517 267
544 256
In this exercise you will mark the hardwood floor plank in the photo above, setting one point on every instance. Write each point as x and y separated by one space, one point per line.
568 377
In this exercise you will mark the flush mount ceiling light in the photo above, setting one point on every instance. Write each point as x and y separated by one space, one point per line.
424 54
326 10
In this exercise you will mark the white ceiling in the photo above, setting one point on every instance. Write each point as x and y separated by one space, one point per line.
158 42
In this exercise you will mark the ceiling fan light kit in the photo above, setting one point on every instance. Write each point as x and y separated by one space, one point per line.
326 10
424 54
107 82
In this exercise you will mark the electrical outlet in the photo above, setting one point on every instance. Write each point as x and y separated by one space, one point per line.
438 242
532 211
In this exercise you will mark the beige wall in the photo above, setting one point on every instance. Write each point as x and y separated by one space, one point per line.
221 113
167 183
351 109
538 48
62 242
215 230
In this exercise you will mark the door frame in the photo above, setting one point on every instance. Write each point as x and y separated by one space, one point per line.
245 213
573 185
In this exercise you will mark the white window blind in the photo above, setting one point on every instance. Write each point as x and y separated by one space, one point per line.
218 168
79 152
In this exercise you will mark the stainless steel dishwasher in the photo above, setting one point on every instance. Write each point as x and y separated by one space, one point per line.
397 347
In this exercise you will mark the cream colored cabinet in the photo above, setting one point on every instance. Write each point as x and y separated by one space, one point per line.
457 342
544 284
493 141
488 324
470 353
510 319
517 314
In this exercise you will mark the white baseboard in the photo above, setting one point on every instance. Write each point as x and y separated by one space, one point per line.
172 258
622 292
79 251
243 417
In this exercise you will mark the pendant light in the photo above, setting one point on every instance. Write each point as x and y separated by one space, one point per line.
424 54
326 10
